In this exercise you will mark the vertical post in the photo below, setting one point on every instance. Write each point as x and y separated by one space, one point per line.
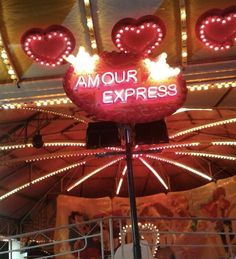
111 237
10 248
133 209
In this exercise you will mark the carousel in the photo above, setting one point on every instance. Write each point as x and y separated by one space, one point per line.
111 109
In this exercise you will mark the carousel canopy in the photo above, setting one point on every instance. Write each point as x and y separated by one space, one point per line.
43 135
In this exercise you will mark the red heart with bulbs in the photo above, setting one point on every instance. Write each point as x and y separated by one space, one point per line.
48 47
127 86
140 36
216 28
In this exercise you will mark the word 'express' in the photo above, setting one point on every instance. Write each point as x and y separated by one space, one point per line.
142 93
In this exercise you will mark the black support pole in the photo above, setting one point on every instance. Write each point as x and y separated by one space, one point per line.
133 209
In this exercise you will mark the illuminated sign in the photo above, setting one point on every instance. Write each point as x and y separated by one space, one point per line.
123 87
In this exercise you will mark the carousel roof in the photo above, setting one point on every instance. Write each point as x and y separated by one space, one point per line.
201 144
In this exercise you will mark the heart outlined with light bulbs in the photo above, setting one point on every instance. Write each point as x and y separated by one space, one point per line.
141 36
48 46
216 29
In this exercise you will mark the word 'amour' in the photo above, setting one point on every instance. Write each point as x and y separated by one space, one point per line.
108 78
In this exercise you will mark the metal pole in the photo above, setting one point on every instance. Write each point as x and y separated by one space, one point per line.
133 209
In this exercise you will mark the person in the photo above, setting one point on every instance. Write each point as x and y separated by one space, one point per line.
125 251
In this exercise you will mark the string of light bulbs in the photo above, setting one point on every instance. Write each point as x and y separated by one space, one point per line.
24 186
6 61
204 126
203 154
84 178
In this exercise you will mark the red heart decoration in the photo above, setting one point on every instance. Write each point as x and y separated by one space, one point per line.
48 47
216 28
140 36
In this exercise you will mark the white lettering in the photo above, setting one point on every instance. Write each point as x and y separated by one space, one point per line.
162 91
119 79
129 92
152 92
94 82
107 78
141 91
80 82
107 97
172 90
119 95
145 93
132 74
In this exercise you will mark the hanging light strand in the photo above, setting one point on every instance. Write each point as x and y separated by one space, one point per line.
184 36
90 25
6 61
46 144
51 156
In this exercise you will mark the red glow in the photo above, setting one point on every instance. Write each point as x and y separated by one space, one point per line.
123 89
140 36
216 28
48 47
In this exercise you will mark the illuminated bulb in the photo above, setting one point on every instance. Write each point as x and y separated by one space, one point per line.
159 69
184 54
86 2
183 14
184 36
4 55
93 44
89 23
83 62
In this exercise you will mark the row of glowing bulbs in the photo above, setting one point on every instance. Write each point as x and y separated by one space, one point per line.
208 86
149 227
31 108
148 156
90 25
35 37
215 19
137 31
90 153
82 179
183 33
59 101
6 61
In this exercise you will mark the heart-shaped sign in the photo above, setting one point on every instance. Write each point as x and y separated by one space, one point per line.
138 90
216 28
48 47
140 36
